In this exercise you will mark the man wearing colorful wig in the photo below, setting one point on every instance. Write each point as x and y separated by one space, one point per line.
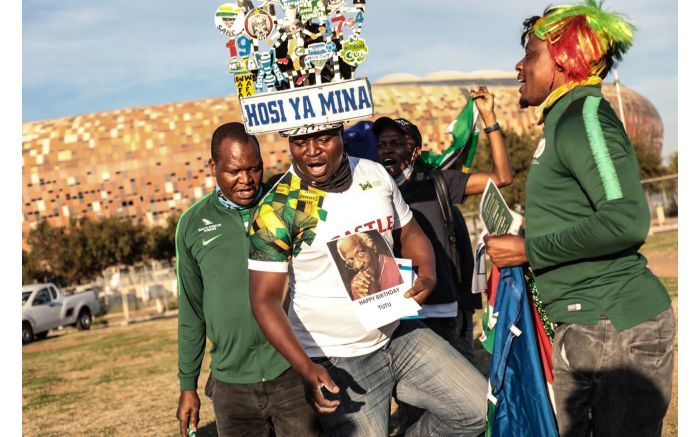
586 219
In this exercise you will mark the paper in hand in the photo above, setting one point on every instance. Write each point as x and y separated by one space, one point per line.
495 214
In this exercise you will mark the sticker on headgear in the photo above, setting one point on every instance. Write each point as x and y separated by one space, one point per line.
243 65
229 19
354 51
259 24
244 84
319 53
285 56
309 9
269 74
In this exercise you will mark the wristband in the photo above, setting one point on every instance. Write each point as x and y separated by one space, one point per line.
492 128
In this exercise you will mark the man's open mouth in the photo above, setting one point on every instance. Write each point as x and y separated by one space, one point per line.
246 193
388 162
317 169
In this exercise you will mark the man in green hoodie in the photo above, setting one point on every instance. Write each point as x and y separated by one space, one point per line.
253 388
586 217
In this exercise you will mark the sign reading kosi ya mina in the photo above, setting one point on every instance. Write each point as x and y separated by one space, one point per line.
319 104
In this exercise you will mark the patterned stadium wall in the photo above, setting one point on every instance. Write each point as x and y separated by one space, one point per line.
147 163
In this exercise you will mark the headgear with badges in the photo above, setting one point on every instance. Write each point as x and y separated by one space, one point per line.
294 61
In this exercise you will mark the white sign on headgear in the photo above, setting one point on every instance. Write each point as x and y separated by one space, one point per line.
326 103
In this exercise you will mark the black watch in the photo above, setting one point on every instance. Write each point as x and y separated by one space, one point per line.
493 127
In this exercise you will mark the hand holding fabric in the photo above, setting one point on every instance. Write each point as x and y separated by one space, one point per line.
506 250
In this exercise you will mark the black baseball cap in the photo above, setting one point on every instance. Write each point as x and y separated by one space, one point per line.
401 124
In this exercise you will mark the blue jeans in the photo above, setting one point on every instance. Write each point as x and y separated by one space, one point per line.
613 383
425 370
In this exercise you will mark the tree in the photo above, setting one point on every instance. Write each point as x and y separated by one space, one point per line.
672 167
161 240
80 251
45 262
649 160
520 150
31 271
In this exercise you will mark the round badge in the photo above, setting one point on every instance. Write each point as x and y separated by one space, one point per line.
229 19
258 24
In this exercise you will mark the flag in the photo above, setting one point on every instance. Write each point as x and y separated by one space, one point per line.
518 397
465 138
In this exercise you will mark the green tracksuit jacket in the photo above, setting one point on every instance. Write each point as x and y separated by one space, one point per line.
212 276
586 217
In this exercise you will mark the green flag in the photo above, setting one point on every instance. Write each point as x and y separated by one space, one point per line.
460 154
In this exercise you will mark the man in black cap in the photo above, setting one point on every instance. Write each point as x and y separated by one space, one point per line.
399 146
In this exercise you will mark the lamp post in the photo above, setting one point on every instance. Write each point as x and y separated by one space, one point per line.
619 97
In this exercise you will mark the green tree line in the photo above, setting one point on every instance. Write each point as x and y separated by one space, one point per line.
80 251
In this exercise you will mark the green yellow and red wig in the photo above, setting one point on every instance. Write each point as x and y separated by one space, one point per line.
583 39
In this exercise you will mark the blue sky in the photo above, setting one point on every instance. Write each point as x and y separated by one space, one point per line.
83 56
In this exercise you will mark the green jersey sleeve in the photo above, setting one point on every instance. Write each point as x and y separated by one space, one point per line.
593 146
191 332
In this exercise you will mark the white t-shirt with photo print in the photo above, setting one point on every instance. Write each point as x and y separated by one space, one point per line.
289 233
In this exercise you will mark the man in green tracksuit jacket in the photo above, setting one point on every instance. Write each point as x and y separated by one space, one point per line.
586 217
252 386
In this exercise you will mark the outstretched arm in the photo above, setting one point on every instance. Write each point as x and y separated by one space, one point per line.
266 299
501 173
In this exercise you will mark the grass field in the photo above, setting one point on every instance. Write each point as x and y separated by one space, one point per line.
122 380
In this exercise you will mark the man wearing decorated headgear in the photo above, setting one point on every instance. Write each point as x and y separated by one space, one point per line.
586 218
349 371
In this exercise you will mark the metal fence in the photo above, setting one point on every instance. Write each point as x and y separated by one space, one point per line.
662 197
136 291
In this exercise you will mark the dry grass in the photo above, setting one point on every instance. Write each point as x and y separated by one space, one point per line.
111 381
123 380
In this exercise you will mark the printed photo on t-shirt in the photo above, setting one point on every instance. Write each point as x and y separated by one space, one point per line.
365 263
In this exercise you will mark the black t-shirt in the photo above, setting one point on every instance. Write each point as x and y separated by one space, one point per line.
421 197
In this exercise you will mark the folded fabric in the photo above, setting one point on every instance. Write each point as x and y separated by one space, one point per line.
519 402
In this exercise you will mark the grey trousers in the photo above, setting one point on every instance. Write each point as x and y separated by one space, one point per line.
613 383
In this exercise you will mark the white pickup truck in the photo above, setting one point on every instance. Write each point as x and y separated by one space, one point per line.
45 307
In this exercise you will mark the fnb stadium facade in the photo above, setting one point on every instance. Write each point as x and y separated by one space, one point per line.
150 162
